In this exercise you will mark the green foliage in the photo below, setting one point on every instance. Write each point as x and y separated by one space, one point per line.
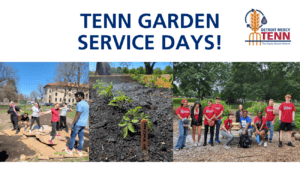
257 106
132 71
151 82
104 90
125 70
132 117
168 70
158 71
120 99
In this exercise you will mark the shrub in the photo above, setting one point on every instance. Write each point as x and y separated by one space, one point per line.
120 99
104 90
257 106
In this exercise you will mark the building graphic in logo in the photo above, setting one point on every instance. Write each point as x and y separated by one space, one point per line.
255 20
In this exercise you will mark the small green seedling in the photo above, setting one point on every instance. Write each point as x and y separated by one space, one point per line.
120 99
132 117
104 90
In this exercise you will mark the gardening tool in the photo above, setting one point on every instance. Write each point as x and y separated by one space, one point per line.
144 135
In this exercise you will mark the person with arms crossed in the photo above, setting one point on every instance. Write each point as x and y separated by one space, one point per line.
286 117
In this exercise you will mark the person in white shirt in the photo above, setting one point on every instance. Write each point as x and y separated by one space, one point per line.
36 109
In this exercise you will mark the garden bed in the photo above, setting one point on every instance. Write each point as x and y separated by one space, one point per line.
107 142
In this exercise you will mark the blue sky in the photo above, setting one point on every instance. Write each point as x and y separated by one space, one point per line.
162 65
31 74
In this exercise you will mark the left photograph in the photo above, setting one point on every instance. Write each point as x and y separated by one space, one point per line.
44 112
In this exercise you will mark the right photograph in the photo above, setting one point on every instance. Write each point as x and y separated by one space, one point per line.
236 112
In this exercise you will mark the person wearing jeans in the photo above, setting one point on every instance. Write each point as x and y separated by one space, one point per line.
225 131
79 124
182 112
271 118
245 124
219 111
209 114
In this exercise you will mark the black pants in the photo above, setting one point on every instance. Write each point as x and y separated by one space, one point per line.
63 122
37 119
14 121
212 128
54 128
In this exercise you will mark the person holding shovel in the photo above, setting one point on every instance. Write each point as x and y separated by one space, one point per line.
261 129
286 117
79 123
196 115
183 113
36 115
54 121
209 113
63 118
271 118
12 110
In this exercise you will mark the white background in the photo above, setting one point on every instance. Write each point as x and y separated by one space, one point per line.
44 31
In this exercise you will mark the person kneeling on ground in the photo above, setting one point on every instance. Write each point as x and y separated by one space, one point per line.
261 129
24 119
225 131
79 123
182 112
286 116
54 121
196 115
245 124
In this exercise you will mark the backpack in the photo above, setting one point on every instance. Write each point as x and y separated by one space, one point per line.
245 141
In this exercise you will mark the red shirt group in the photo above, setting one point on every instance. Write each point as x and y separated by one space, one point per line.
184 112
264 122
55 115
196 114
287 112
227 124
209 112
219 108
270 114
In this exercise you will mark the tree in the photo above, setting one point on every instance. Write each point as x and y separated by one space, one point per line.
34 95
7 73
141 70
119 70
41 91
132 71
69 75
157 71
168 70
125 70
149 67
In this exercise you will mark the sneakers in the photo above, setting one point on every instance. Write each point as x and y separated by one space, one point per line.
13 129
260 143
195 144
30 131
209 141
78 152
290 144
212 144
280 144
184 147
17 131
176 150
50 142
265 144
270 140
217 140
226 147
41 129
68 151
204 144
57 135
199 144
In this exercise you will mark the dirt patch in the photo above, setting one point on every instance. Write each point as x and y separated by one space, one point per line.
108 143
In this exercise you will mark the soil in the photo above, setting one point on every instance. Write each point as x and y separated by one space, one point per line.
107 142
34 145
216 153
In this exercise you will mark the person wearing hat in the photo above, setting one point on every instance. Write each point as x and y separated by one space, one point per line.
183 113
209 114
219 111
286 117
196 115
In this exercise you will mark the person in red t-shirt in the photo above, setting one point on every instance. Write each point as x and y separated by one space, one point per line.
196 115
54 121
182 112
219 111
225 131
261 129
271 118
286 118
209 113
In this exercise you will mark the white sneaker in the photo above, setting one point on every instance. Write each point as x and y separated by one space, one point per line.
176 149
41 129
30 131
260 143
199 144
265 144
226 147
195 144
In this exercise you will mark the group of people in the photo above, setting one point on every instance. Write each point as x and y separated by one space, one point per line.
58 120
212 115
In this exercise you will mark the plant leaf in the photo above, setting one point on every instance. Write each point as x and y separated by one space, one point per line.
124 123
149 124
135 121
125 132
130 127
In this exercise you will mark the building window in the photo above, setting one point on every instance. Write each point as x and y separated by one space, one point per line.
69 94
55 99
50 91
55 94
69 100
72 100
59 99
65 100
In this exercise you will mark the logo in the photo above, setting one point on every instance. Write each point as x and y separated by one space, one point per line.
259 35
286 107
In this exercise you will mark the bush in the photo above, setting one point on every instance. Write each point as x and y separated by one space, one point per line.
257 106
177 103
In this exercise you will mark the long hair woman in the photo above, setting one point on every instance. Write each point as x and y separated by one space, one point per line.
12 110
260 124
54 121
196 115
183 113
239 113
35 115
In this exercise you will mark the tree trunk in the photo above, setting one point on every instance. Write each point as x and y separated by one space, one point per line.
149 68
